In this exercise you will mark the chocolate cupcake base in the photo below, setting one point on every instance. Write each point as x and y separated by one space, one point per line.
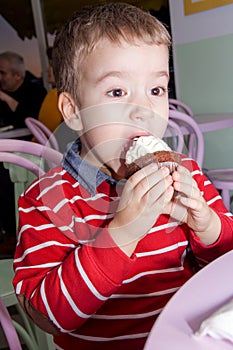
162 158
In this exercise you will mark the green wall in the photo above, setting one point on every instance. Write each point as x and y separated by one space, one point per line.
205 71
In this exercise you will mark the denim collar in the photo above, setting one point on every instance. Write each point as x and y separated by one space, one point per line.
86 174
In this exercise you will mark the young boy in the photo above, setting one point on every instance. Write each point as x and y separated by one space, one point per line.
98 257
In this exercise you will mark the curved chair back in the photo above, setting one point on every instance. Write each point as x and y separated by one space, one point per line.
222 179
22 162
195 144
20 156
53 157
26 155
174 136
180 106
42 134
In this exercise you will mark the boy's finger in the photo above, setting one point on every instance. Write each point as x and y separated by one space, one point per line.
144 172
190 191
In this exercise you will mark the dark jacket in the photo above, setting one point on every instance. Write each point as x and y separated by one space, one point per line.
30 96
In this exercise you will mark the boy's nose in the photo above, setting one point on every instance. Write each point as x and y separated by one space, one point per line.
140 114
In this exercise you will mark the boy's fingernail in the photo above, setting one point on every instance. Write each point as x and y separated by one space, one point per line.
170 180
165 171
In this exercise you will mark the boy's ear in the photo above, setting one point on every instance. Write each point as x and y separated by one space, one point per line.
70 111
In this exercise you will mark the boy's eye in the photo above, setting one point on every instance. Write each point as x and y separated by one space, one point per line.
158 91
116 93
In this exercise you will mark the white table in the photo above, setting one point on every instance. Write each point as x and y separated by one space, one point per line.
15 133
196 300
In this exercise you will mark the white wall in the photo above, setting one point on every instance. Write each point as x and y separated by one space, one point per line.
197 26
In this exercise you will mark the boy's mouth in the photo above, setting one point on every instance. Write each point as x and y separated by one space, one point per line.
131 141
134 138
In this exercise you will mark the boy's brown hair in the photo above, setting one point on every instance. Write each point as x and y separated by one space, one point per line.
80 35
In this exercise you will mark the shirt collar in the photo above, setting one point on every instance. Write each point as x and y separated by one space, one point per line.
86 174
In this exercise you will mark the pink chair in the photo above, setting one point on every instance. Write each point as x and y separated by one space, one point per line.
195 141
42 134
8 328
174 137
180 106
22 162
22 158
222 179
51 156
30 157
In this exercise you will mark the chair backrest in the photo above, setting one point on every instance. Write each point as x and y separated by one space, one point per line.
53 157
42 134
21 161
25 161
179 105
195 142
174 136
8 328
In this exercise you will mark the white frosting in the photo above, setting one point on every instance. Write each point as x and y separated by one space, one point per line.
144 145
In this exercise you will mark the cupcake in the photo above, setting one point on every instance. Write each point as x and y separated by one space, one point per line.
149 149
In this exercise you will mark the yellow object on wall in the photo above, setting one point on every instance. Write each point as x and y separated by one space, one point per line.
192 6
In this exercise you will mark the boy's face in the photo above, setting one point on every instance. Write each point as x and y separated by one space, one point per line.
123 94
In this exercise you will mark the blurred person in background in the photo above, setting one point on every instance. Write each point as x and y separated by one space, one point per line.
21 93
21 96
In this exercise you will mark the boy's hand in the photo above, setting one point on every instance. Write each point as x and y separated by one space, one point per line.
191 208
144 197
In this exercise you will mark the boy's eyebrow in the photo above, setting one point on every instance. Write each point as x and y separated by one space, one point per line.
118 74
162 73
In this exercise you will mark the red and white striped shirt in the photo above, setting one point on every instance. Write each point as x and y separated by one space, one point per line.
74 282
